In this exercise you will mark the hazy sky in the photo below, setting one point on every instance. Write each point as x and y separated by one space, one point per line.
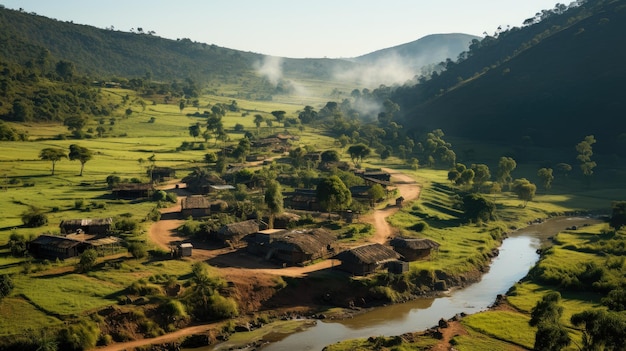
293 28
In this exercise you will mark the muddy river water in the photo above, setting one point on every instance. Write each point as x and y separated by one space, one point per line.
517 255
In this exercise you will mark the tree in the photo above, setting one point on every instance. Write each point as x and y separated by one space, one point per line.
82 154
330 156
585 151
308 115
466 178
524 189
376 193
478 208
65 70
506 165
273 200
75 123
602 330
358 152
34 217
258 119
87 260
6 285
194 131
618 214
481 174
279 115
546 315
53 155
181 105
332 194
545 174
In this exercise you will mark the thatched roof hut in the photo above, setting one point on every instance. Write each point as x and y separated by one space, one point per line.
195 206
366 259
96 226
294 247
414 248
234 232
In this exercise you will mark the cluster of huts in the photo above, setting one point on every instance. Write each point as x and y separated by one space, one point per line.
297 247
77 235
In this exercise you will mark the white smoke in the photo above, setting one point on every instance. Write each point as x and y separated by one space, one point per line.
270 68
388 70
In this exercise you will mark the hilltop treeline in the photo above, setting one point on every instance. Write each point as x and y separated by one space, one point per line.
547 83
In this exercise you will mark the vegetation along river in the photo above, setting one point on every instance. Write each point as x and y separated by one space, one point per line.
517 255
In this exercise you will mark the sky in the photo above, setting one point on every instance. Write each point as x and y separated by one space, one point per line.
293 28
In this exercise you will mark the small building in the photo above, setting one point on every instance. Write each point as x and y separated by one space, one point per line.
413 249
159 174
195 206
303 199
398 267
96 226
293 247
53 247
184 250
132 190
366 259
234 233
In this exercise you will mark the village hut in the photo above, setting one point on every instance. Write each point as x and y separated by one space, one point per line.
50 246
96 226
234 233
105 245
297 247
303 199
413 249
132 190
159 174
195 206
285 219
366 259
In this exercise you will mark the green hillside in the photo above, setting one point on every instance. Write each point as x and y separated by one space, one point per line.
546 84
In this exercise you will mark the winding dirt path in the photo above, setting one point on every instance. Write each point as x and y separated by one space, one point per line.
409 189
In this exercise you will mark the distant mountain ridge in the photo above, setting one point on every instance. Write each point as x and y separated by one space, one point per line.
433 48
109 53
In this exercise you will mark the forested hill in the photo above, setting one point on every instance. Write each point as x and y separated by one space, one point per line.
550 83
104 53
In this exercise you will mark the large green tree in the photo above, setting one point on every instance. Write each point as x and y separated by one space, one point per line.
52 154
81 154
546 176
618 214
358 152
478 208
524 189
333 195
585 151
506 165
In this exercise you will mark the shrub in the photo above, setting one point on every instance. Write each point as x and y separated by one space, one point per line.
6 285
79 336
126 225
138 250
34 218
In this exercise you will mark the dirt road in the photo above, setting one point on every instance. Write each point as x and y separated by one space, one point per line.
407 188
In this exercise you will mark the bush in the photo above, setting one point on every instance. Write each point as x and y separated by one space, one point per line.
143 288
6 285
79 336
126 225
34 218
138 250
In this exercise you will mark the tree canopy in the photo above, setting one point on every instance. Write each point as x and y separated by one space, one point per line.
81 154
333 194
52 154
524 189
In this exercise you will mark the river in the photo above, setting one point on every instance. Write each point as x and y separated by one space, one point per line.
517 255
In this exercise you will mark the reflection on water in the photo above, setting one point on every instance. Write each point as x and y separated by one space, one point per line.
517 255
